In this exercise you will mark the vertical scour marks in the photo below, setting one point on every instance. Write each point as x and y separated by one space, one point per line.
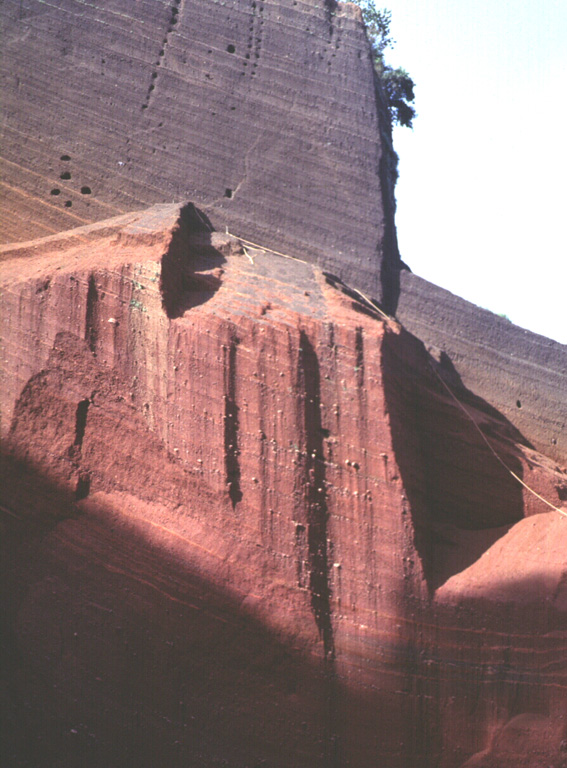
83 480
81 422
312 534
315 499
231 423
359 362
91 319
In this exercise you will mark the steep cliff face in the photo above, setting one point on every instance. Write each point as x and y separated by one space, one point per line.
246 522
520 373
239 105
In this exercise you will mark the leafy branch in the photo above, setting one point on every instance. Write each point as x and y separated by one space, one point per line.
397 83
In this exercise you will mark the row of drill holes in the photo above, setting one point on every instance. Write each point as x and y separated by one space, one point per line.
65 176
84 191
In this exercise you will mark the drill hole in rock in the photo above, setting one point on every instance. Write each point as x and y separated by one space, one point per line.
86 190
65 176
66 158
230 48
228 193
68 203
55 191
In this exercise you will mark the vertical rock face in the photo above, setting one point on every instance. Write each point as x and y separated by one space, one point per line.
520 373
246 523
243 105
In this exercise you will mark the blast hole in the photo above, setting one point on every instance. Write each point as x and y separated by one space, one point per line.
66 158
228 192
55 191
65 176
86 190
230 48
68 204
518 403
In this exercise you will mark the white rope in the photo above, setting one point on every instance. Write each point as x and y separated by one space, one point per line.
494 453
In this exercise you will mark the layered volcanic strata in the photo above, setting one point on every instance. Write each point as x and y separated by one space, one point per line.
249 520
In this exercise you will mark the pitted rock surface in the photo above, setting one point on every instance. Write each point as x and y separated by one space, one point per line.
263 106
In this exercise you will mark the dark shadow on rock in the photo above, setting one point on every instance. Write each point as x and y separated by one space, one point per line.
190 268
116 651
390 262
462 498
443 366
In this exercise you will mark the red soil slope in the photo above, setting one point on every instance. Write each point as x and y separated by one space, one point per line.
244 522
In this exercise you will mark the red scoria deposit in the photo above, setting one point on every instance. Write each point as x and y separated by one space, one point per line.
245 522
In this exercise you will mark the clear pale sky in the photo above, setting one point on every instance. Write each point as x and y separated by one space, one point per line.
482 207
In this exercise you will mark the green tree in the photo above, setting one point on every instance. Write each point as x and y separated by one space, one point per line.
398 85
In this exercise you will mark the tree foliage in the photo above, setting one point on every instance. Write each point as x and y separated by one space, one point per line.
398 85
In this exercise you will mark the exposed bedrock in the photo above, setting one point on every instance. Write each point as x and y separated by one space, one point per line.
268 106
520 373
246 523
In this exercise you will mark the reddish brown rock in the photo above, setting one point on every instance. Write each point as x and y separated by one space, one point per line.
246 523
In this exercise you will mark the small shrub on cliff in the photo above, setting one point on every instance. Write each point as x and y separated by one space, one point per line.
397 84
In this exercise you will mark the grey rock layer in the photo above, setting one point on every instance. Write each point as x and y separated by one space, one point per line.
263 112
523 375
